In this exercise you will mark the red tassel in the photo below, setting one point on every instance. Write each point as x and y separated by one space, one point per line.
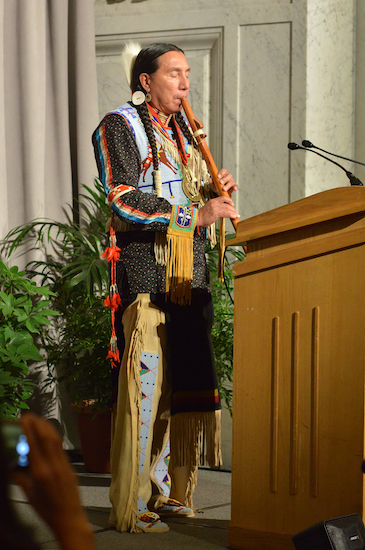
113 356
107 302
113 254
104 255
112 301
116 301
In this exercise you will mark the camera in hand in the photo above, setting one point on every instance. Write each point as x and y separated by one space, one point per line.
16 444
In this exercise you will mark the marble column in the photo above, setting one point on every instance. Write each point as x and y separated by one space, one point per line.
330 88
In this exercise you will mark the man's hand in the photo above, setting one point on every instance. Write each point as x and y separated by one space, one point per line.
227 180
220 207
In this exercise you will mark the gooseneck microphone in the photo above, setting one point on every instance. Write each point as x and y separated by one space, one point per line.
308 144
353 179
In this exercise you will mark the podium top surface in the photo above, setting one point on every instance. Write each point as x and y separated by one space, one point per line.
331 204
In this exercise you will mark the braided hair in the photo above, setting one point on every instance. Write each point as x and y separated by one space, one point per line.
184 128
147 61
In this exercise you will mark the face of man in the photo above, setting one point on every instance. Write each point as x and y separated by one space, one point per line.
169 84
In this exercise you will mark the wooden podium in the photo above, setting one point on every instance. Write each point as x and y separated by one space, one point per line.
299 350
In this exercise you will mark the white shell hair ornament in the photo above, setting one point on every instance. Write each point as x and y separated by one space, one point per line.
128 58
138 98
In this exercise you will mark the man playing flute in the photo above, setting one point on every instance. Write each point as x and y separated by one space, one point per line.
162 213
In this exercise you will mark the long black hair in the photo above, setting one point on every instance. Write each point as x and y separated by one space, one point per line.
147 61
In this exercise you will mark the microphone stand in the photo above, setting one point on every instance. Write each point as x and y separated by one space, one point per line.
353 179
308 144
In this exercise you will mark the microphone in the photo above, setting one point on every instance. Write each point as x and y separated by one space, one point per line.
353 179
308 144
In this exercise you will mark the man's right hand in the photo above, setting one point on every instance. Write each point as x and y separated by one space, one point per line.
220 207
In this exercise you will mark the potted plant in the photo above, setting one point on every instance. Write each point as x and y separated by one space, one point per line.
222 331
77 346
76 358
24 313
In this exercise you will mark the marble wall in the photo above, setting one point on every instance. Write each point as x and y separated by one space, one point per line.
241 57
360 89
263 74
330 106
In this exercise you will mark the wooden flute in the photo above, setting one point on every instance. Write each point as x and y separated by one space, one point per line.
199 135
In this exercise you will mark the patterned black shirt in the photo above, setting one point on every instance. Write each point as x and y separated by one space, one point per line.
137 268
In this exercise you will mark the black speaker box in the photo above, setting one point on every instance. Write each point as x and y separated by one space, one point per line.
344 533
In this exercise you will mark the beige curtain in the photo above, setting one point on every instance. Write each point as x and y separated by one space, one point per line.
48 111
48 106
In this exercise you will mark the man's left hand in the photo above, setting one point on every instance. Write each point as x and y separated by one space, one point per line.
227 181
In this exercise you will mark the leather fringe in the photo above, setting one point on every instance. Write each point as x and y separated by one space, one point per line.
196 439
160 248
179 269
190 488
120 226
134 377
